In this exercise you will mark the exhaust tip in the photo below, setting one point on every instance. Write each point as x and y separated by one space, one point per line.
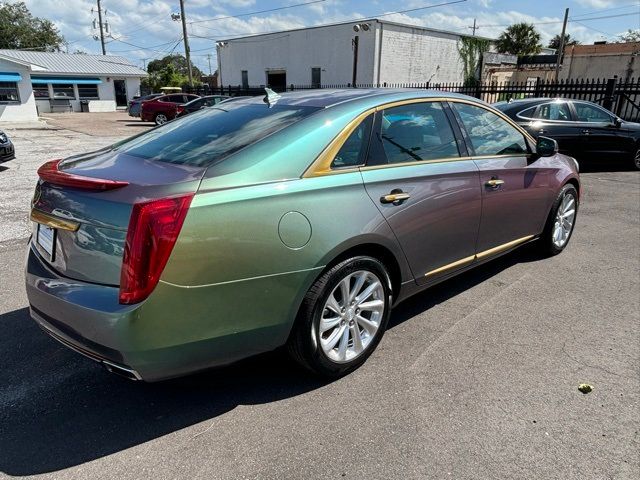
121 371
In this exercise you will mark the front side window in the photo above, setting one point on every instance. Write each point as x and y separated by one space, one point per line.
354 150
40 91
590 113
211 134
88 91
416 132
9 92
490 134
63 90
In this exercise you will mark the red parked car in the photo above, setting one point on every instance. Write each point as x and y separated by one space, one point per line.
162 109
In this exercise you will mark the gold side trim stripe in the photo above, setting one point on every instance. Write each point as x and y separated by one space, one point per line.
479 256
54 222
503 247
450 266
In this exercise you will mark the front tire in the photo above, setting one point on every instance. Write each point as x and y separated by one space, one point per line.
161 119
342 318
561 221
636 160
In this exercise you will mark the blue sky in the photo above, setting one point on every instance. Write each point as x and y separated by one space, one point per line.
142 29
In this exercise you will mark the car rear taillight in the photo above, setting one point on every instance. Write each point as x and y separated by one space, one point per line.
179 109
51 173
153 230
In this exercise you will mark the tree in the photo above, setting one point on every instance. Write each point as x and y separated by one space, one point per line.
179 63
167 76
629 36
519 39
555 41
471 50
21 30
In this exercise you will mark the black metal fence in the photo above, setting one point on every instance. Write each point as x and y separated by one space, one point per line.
619 96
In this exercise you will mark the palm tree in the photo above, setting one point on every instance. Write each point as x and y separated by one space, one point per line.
519 39
555 41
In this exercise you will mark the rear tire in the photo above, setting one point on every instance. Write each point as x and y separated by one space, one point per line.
161 119
342 317
561 222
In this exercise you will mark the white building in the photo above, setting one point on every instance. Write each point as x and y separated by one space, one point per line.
32 83
371 51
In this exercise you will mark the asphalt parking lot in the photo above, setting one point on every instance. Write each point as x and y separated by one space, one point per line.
476 378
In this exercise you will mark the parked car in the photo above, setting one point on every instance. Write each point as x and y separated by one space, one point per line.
300 221
198 103
164 108
7 150
582 129
134 105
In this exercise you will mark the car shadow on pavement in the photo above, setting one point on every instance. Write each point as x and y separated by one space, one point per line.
59 409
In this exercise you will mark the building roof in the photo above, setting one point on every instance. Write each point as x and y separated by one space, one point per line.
602 49
363 20
73 64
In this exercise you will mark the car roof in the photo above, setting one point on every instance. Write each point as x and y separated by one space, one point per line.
325 98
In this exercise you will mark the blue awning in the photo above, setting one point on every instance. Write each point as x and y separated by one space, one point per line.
10 77
59 80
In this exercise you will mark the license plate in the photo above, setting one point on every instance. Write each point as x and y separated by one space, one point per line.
46 238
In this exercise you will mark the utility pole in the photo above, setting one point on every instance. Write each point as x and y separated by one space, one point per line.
474 28
187 53
561 46
104 50
209 59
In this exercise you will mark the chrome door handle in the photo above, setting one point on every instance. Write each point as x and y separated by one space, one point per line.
494 183
586 131
395 198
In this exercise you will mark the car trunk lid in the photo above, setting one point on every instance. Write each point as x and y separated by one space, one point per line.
82 207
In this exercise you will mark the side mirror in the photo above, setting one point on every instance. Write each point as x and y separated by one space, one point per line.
546 147
617 122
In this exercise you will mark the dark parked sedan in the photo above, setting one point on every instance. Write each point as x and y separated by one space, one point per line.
134 105
7 150
198 103
582 129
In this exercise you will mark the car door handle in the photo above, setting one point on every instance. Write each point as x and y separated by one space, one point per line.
542 131
494 183
586 131
395 197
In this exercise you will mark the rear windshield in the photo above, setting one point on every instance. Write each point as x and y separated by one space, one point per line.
211 134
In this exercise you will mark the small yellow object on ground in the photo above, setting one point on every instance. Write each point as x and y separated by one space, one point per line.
585 388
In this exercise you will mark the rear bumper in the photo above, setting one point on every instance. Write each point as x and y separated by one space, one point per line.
176 331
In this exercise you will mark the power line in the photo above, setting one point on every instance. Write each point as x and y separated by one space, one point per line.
257 12
453 2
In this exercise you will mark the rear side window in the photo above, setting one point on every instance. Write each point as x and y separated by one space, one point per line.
211 134
548 111
490 134
353 152
416 132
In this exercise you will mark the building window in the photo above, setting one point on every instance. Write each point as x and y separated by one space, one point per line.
63 90
40 91
245 79
315 77
88 91
9 92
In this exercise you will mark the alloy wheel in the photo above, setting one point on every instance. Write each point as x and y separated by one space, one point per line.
636 159
565 217
351 316
160 119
